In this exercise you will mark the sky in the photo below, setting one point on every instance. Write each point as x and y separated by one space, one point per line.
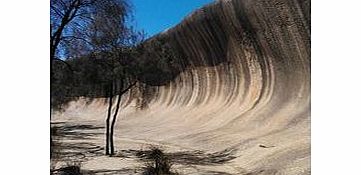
154 16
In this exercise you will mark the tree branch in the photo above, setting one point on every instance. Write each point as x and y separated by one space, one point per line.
129 87
57 11
74 37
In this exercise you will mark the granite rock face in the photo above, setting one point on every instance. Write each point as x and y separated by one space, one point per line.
244 51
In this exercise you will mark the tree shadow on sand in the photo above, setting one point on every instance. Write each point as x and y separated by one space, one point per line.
111 172
72 143
75 132
185 158
64 147
195 157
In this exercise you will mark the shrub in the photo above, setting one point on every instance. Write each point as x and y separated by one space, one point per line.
159 163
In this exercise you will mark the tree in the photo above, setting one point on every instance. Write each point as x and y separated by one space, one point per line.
116 42
69 35
98 28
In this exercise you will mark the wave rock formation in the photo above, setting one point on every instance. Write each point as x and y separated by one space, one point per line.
243 85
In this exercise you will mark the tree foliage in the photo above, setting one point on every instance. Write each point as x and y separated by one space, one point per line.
79 27
153 62
90 46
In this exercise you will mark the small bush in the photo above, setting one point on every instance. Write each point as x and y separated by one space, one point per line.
70 169
159 163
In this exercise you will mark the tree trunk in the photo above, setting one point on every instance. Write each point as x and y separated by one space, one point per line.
112 125
110 129
114 119
108 119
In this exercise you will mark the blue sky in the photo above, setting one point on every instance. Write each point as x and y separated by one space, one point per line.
154 16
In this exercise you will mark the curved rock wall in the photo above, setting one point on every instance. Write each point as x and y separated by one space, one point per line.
242 51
